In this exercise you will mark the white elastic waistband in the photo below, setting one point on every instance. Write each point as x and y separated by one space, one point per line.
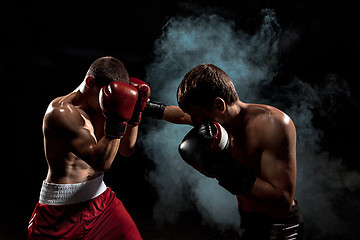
63 194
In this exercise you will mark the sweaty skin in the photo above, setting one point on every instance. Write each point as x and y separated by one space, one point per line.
263 139
76 149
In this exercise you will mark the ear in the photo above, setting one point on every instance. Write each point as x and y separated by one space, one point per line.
219 105
89 81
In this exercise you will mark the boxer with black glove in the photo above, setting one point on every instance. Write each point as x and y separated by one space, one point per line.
261 169
207 148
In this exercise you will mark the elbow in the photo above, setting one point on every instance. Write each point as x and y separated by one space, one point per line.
106 166
283 206
127 152
283 211
127 148
102 167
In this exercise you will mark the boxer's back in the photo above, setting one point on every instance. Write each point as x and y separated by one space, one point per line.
266 143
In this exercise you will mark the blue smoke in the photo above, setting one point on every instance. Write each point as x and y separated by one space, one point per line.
185 43
251 63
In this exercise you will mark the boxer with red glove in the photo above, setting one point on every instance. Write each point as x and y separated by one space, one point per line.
117 101
207 148
144 94
83 133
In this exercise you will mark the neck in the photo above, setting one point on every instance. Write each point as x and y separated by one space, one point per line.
81 87
80 99
235 114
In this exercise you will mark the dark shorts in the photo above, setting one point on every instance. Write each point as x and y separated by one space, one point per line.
103 217
261 226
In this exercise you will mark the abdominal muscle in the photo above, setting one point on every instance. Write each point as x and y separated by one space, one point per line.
69 171
64 166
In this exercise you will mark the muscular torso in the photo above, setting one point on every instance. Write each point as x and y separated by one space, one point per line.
247 144
64 165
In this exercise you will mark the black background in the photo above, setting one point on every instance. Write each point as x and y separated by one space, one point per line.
47 46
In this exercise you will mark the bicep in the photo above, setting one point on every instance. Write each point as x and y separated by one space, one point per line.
98 155
279 170
82 144
278 160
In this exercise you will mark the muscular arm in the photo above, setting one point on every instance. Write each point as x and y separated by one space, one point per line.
67 123
127 145
175 115
274 191
172 114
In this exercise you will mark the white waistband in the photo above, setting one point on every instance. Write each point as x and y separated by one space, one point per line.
63 194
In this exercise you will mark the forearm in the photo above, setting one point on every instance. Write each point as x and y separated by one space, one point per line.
127 145
175 115
104 153
270 199
172 114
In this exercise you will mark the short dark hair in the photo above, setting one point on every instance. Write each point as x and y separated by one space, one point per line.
107 69
202 84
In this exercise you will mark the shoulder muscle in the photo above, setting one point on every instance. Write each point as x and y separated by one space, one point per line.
276 130
64 119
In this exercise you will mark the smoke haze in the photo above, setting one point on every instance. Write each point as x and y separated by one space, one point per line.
325 188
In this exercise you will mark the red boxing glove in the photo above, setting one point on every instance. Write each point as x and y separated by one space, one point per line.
144 94
117 101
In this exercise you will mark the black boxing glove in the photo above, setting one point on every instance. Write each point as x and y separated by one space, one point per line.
207 149
154 109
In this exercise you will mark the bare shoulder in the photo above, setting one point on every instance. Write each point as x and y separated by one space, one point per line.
62 116
272 125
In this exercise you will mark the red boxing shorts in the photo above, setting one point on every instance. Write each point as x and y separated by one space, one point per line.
102 217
